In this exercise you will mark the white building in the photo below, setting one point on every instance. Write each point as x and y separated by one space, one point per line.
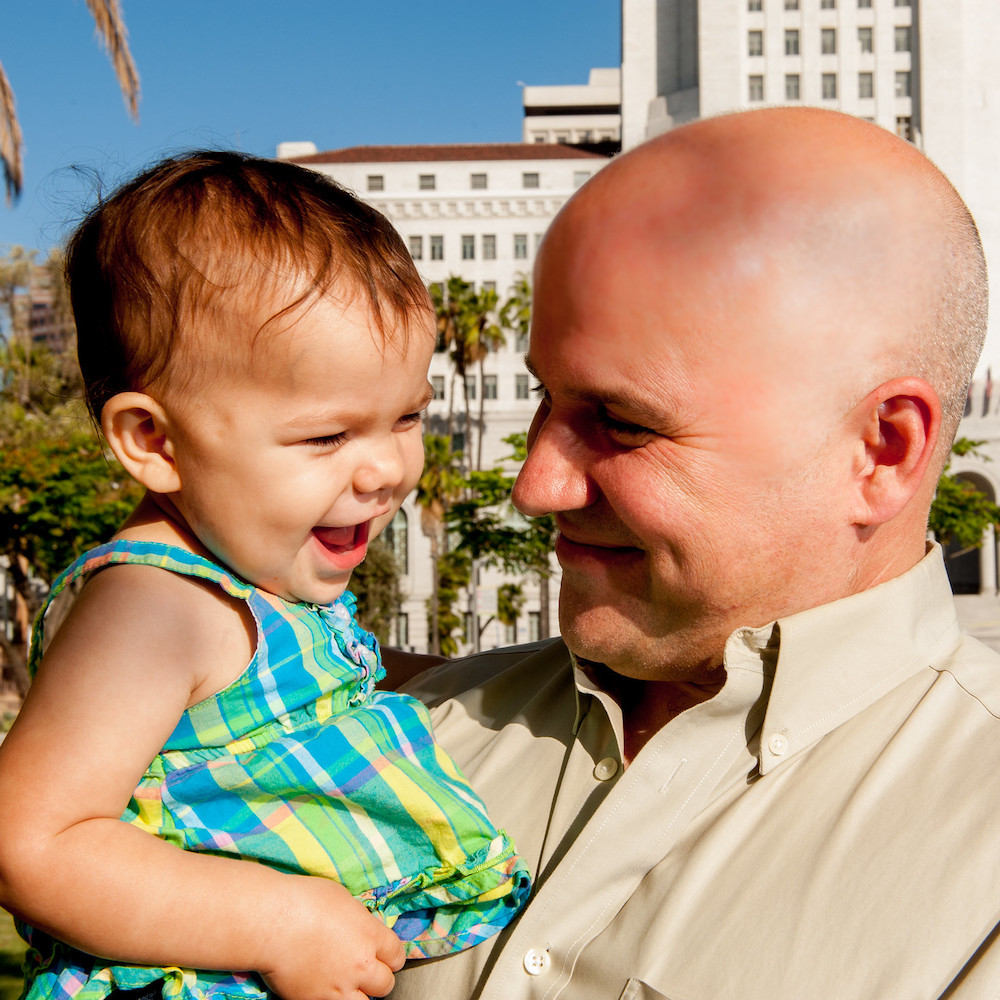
479 212
576 114
921 68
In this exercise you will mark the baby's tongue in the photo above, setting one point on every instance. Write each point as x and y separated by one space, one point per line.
336 537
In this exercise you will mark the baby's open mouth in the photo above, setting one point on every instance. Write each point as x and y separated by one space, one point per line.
340 539
343 547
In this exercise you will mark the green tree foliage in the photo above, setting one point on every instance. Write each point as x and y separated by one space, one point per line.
375 583
453 574
493 532
61 491
438 487
960 513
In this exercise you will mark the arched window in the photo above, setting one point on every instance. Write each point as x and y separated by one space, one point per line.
396 535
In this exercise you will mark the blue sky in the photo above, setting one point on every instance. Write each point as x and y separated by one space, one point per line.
250 74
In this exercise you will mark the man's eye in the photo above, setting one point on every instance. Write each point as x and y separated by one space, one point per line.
624 433
539 390
330 441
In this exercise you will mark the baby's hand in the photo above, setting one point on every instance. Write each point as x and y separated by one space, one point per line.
327 946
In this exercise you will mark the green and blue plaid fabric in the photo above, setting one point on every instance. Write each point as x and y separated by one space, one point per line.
301 764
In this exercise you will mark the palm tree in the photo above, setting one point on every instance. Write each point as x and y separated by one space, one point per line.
111 30
439 486
467 327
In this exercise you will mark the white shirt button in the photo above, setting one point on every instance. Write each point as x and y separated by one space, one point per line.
536 961
778 744
605 769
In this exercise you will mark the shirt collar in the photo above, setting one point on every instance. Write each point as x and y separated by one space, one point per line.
837 659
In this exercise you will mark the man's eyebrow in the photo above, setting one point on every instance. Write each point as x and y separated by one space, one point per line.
635 404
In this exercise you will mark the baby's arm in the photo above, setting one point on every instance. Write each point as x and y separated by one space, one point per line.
112 686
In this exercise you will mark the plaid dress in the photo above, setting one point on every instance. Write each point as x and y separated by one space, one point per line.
301 764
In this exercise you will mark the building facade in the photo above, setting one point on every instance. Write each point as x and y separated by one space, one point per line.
478 212
921 68
586 115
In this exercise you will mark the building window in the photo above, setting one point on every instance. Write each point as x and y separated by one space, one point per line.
828 41
521 342
521 390
791 4
470 386
827 4
903 83
402 630
792 86
427 182
468 248
755 43
510 632
534 626
489 387
864 4
397 537
904 127
375 182
538 242
829 86
490 246
903 38
458 442
865 40
437 385
437 248
902 3
866 85
755 5
791 41
755 88
468 624
489 286
580 177
539 137
478 182
529 180
520 246
417 247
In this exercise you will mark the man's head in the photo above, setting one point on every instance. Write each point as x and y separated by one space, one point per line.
755 335
176 274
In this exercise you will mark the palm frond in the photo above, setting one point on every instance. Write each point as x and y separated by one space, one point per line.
110 26
10 141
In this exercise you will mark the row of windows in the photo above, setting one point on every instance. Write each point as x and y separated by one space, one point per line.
828 84
488 245
828 40
477 182
823 4
522 389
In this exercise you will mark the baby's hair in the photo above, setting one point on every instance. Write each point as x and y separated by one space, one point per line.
198 243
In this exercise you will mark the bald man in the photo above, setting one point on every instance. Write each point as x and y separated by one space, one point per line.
762 762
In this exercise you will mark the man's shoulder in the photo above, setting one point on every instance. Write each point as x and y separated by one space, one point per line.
522 668
975 669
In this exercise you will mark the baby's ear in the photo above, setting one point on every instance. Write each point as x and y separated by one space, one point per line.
138 430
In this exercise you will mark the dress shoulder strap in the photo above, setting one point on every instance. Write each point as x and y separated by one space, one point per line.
160 554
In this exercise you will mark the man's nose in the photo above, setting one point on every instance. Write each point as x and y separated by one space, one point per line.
554 476
381 466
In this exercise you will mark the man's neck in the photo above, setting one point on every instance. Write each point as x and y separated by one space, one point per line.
648 706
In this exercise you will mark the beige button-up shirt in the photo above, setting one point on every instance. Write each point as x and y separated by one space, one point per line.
827 826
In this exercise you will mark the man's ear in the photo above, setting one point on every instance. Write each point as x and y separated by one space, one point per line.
138 430
898 426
